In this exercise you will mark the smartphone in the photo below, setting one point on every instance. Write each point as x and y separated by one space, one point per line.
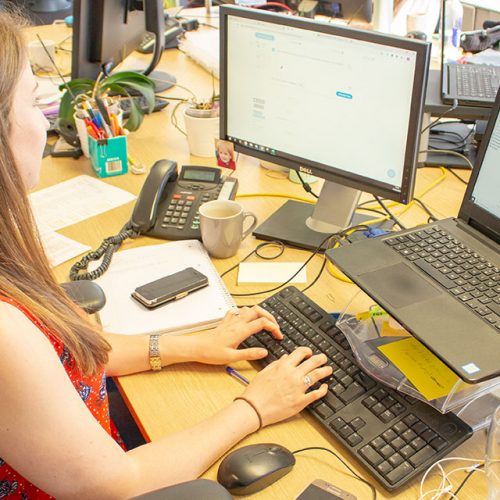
171 287
322 490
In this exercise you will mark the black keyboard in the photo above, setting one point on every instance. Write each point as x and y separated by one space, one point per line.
474 81
394 436
141 102
461 271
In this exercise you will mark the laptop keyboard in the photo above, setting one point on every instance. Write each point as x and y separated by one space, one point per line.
462 272
394 436
477 82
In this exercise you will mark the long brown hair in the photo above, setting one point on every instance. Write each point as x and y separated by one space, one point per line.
25 273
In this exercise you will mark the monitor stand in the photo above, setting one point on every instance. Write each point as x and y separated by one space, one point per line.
306 225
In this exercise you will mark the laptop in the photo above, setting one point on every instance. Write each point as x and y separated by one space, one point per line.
467 84
441 281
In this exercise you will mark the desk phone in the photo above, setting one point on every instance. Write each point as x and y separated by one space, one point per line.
168 204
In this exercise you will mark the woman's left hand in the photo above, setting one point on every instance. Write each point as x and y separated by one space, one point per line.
220 346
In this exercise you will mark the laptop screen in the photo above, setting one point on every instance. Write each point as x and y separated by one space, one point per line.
481 204
485 193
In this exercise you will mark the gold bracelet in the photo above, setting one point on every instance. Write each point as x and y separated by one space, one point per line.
154 353
254 408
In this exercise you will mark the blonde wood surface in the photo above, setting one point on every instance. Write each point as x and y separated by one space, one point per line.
183 395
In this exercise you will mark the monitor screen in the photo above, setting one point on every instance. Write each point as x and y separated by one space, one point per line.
341 103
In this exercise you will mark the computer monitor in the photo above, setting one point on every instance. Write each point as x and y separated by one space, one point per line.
107 31
340 103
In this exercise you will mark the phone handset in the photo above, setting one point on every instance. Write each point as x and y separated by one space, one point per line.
144 214
143 217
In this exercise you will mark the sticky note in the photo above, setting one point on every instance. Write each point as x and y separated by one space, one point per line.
392 329
431 377
270 272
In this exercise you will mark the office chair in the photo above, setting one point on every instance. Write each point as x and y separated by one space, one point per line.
87 294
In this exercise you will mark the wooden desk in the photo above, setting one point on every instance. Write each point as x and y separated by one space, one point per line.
182 395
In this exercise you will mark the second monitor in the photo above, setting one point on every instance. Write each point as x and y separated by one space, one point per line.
340 103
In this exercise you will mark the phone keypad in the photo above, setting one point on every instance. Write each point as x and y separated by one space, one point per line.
182 210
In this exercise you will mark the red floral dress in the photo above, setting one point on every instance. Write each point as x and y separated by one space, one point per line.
93 392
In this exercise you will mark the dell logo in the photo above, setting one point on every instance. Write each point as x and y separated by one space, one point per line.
305 170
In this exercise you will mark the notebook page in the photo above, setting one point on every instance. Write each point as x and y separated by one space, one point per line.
132 268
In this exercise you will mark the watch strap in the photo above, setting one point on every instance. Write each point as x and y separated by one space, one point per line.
154 353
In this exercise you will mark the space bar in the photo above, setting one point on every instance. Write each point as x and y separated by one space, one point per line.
434 273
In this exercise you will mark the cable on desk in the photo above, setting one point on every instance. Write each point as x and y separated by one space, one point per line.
452 172
442 115
462 484
426 209
279 244
449 152
389 213
306 185
345 464
276 195
105 251
339 235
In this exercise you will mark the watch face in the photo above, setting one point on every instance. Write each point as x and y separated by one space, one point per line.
155 363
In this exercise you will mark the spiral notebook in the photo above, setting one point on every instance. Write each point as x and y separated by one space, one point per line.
131 268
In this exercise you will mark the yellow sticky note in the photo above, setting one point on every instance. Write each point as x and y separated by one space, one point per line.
422 368
389 330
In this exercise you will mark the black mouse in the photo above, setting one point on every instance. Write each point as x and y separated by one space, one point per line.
254 467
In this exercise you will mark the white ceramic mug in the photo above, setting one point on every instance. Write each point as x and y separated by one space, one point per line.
221 225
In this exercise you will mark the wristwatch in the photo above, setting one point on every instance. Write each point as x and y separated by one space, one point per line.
154 353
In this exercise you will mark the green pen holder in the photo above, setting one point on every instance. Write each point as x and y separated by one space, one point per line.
109 156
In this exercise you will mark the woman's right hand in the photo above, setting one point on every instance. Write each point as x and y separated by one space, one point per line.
279 390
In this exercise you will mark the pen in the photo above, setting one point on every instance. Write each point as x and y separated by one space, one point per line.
231 371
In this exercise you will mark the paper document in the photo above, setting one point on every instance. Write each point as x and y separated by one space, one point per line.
75 200
271 272
423 369
129 269
203 47
59 248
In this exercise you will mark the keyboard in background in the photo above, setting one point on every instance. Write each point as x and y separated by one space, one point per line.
394 436
160 103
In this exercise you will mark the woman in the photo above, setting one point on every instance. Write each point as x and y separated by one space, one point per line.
54 424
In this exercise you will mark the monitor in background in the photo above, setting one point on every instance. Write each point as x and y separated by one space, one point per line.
107 31
340 103
349 10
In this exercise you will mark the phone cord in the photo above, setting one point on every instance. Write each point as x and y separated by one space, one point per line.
105 251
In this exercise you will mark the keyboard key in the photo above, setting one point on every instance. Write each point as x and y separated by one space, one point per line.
352 392
399 472
357 423
422 456
384 468
354 439
371 455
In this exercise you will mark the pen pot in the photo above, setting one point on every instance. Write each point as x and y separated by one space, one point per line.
109 156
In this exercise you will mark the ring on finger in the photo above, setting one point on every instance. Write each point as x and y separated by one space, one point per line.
307 380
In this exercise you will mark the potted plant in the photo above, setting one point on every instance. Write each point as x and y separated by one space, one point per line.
201 119
112 87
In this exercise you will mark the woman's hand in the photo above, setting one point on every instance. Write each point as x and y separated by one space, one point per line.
279 390
220 346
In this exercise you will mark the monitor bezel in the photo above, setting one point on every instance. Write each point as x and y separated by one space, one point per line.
470 212
326 172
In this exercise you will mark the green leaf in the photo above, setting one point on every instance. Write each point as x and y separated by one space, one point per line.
135 118
67 105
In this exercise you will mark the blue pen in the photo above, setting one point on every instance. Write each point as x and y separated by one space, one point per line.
231 371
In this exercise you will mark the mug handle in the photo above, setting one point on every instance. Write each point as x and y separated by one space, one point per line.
252 225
